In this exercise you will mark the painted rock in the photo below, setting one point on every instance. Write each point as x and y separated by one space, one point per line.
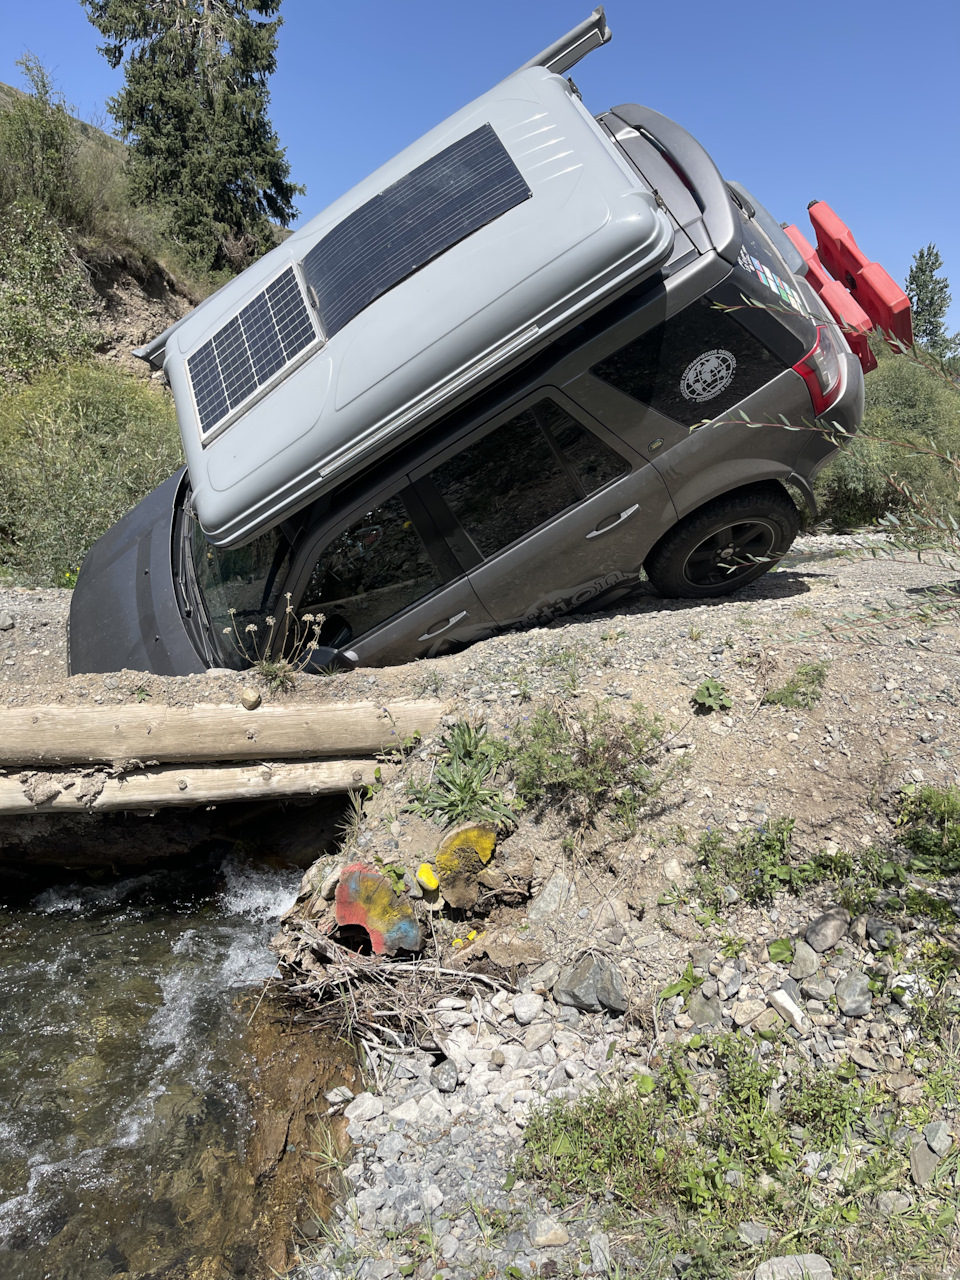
462 855
364 897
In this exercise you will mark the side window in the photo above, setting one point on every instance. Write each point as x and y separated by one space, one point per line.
370 572
522 474
594 463
691 366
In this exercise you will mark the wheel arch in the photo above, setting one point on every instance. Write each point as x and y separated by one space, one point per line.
728 478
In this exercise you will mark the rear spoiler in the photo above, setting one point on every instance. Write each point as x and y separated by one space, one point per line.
861 296
576 44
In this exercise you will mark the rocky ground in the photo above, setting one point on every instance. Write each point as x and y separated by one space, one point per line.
613 914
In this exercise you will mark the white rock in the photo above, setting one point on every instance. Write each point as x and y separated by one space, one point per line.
432 1198
787 1008
800 1266
329 886
338 1095
431 1108
545 1232
673 871
527 1008
365 1106
407 1111
539 1034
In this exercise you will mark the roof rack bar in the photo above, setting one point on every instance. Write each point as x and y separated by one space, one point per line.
576 44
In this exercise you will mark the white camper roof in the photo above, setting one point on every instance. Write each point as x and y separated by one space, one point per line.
475 245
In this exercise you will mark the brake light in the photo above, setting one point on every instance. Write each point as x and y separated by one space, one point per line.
820 370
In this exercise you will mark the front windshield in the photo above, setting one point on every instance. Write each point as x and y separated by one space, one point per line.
240 589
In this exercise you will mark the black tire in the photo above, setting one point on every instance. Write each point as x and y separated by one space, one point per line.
725 544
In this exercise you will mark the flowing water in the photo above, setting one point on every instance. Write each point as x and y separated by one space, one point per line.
126 1110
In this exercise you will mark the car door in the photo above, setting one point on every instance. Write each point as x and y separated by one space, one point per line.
545 509
387 588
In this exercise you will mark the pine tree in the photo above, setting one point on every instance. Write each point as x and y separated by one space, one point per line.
929 296
193 112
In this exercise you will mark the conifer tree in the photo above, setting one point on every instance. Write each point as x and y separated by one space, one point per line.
193 112
929 296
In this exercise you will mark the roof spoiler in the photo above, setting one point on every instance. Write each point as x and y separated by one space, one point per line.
576 44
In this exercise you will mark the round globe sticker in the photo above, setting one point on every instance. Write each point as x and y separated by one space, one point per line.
708 375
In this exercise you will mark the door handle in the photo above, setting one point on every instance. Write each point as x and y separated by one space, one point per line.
450 622
624 515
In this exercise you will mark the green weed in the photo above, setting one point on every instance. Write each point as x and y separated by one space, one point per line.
699 1161
929 828
803 690
710 695
460 786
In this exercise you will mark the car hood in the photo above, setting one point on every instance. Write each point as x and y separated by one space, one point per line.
124 612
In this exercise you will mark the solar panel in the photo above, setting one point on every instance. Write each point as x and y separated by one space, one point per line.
250 349
453 194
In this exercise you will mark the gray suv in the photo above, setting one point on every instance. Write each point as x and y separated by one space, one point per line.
504 377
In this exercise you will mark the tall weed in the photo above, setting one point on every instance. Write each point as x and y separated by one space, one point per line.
79 447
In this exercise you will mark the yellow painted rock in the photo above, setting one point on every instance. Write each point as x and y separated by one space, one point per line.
460 858
427 876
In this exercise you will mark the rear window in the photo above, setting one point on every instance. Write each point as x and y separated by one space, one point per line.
691 367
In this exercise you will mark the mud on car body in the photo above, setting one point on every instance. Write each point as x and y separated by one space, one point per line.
517 368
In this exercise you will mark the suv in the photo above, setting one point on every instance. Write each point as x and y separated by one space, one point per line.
516 368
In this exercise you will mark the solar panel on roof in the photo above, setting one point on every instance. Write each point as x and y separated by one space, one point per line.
250 349
439 203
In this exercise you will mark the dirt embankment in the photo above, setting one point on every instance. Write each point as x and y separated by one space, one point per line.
135 300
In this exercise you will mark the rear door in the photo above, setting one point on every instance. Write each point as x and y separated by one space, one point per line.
545 509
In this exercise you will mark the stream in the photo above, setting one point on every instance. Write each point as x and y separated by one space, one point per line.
135 1101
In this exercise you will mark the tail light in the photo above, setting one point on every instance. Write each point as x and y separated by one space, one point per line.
820 370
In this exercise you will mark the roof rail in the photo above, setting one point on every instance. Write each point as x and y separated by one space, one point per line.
576 44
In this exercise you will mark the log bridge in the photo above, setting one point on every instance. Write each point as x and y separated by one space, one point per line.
67 759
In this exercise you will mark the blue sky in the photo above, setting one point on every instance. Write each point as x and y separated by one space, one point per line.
847 102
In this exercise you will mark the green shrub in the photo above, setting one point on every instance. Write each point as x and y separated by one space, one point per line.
909 412
77 175
39 146
757 866
79 447
46 304
585 757
930 829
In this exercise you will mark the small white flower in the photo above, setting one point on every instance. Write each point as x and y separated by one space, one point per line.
251 626
271 622
227 630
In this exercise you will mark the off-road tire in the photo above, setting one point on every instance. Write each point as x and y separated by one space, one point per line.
725 544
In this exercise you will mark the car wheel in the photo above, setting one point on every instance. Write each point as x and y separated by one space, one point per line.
726 544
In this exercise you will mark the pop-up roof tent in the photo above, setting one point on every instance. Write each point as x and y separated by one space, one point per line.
473 247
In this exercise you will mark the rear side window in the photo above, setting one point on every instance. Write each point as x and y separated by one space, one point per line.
691 366
371 571
524 473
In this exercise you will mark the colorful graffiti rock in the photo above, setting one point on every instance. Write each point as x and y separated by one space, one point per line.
461 857
364 897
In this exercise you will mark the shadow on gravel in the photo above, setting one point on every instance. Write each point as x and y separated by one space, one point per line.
783 585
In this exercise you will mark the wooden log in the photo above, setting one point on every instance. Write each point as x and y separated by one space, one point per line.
173 786
56 734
